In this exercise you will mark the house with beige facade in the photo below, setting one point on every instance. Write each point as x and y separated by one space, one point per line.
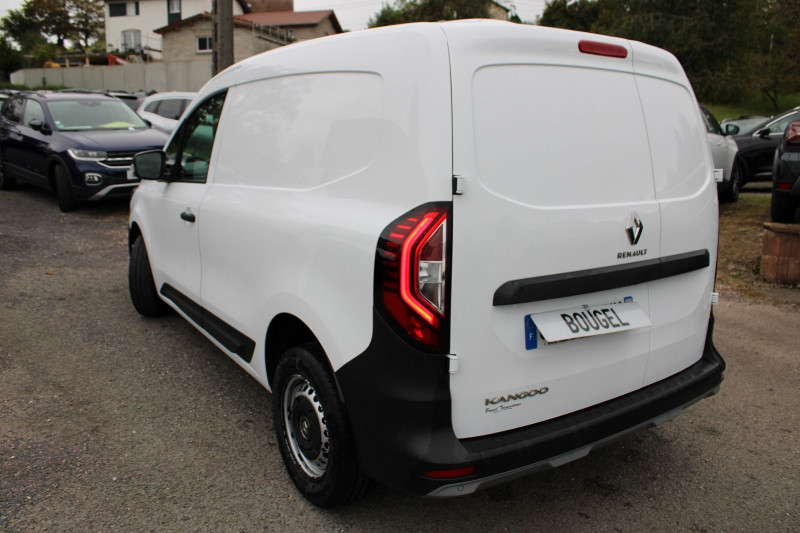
191 39
130 24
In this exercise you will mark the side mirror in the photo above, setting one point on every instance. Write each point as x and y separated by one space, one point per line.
149 165
39 125
731 129
763 133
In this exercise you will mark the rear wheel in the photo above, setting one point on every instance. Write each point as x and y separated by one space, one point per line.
66 201
737 175
313 430
140 282
782 208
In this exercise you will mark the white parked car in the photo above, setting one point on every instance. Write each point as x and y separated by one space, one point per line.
414 239
163 110
724 151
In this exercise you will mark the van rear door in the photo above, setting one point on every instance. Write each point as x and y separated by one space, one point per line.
577 182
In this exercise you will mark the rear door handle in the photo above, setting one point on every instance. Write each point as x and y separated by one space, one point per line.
188 216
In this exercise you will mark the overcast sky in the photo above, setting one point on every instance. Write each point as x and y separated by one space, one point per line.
352 14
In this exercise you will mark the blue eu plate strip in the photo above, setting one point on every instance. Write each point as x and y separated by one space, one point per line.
531 334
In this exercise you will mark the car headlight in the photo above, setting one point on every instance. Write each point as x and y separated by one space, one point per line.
86 155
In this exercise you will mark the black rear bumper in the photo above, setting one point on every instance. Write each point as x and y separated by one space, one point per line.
399 403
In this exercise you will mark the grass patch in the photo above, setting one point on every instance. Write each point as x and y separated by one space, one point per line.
740 231
741 228
758 106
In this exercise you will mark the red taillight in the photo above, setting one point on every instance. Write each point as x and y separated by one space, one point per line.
784 186
792 136
410 270
603 49
450 474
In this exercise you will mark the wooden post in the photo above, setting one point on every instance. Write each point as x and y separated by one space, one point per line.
223 35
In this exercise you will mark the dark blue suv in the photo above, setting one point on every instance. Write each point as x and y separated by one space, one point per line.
76 144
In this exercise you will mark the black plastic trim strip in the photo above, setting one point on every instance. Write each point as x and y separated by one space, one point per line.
598 279
231 338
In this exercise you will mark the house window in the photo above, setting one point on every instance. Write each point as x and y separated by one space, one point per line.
173 11
136 6
117 9
204 45
131 40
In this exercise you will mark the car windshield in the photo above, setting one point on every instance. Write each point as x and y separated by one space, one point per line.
80 115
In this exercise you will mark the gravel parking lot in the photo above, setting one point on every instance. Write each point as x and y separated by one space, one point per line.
113 422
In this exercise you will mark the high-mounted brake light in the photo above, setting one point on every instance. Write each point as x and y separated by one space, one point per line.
792 136
411 272
603 49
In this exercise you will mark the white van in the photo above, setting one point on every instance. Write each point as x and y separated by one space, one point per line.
457 253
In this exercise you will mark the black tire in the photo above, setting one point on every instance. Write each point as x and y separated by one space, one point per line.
66 201
6 182
140 282
782 208
735 186
313 430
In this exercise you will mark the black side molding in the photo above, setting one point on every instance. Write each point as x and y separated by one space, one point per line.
232 339
598 279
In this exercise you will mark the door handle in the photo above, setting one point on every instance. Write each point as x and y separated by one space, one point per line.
188 216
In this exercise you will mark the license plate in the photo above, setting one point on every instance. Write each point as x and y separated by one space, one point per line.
588 321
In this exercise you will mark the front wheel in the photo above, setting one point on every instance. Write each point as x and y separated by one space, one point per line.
140 282
313 430
737 176
66 201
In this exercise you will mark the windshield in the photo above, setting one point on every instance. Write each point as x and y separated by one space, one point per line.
81 115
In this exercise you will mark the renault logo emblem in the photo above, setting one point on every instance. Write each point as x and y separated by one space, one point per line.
634 228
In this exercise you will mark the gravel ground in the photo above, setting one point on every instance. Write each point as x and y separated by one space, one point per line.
113 422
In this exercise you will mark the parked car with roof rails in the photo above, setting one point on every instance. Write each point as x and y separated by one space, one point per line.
163 110
786 174
757 147
79 145
723 151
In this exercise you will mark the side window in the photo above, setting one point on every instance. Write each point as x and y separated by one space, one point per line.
189 152
712 126
12 110
779 125
170 108
33 111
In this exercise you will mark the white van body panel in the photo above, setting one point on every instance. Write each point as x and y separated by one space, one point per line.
556 149
343 139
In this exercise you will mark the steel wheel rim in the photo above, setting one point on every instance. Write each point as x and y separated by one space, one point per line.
305 427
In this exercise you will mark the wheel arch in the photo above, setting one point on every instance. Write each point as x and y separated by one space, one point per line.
285 331
133 233
52 163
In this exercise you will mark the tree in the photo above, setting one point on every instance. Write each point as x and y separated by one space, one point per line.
52 17
10 59
780 71
24 31
713 40
87 20
580 15
404 11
